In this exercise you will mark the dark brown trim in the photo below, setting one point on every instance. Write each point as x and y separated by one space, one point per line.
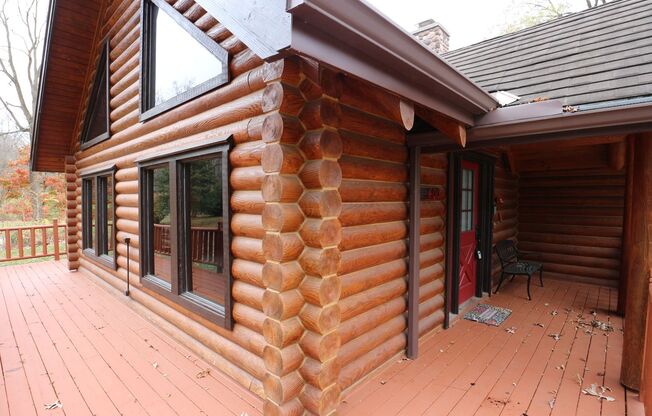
103 69
97 250
148 108
414 253
179 228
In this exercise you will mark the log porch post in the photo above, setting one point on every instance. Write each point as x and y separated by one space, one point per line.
73 194
638 265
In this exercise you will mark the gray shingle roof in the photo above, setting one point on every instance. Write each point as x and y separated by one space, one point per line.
599 55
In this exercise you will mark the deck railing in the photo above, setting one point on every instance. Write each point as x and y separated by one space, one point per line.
206 243
34 241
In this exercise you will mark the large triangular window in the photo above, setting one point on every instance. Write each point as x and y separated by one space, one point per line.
180 61
96 121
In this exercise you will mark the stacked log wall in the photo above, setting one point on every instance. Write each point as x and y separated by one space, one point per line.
434 176
373 266
506 215
249 109
572 221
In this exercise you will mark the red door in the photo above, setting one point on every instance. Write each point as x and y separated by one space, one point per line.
468 221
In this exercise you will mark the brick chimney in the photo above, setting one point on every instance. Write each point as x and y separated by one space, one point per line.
433 35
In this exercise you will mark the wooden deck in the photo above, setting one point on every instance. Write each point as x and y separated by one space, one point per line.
475 369
65 339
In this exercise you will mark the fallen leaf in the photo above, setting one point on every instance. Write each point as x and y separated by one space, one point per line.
203 373
551 403
383 382
511 330
556 337
554 313
580 380
155 365
593 391
53 405
540 324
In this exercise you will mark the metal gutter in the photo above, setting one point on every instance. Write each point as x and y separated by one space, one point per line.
627 119
354 37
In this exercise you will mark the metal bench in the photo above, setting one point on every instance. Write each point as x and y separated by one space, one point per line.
512 266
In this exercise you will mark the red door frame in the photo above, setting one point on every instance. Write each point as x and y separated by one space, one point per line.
485 211
469 227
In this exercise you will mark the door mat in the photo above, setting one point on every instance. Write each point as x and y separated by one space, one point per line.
488 314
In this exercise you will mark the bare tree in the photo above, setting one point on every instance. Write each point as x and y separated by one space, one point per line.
21 38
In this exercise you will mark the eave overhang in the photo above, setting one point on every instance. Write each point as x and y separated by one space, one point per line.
356 38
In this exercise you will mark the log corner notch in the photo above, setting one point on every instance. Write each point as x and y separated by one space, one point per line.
449 127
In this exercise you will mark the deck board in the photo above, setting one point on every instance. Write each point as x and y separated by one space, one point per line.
474 369
64 337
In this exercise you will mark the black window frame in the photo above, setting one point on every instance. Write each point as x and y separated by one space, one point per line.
103 66
97 249
179 254
148 108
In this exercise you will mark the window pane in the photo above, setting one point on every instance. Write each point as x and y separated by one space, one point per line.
205 211
181 62
161 223
110 230
97 118
93 214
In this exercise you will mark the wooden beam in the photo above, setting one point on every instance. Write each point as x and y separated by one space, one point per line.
511 158
567 143
638 264
364 96
449 127
618 155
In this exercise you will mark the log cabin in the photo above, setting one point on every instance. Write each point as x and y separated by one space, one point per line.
307 191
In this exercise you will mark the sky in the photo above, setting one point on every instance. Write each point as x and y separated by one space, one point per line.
467 21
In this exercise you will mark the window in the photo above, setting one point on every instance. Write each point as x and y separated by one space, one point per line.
180 61
96 120
98 216
467 200
185 229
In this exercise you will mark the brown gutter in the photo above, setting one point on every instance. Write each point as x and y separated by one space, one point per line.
356 38
609 121
618 120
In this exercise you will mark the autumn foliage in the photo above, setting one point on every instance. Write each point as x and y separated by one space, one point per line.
30 196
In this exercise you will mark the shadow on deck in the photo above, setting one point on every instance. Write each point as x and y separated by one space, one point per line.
64 339
475 369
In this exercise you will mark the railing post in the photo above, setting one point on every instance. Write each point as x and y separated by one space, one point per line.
8 244
55 237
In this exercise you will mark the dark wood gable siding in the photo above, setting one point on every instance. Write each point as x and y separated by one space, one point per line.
69 56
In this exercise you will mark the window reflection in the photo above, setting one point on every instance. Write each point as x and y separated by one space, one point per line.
161 222
206 218
181 62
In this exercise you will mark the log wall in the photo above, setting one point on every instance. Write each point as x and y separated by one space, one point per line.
572 221
251 108
506 216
